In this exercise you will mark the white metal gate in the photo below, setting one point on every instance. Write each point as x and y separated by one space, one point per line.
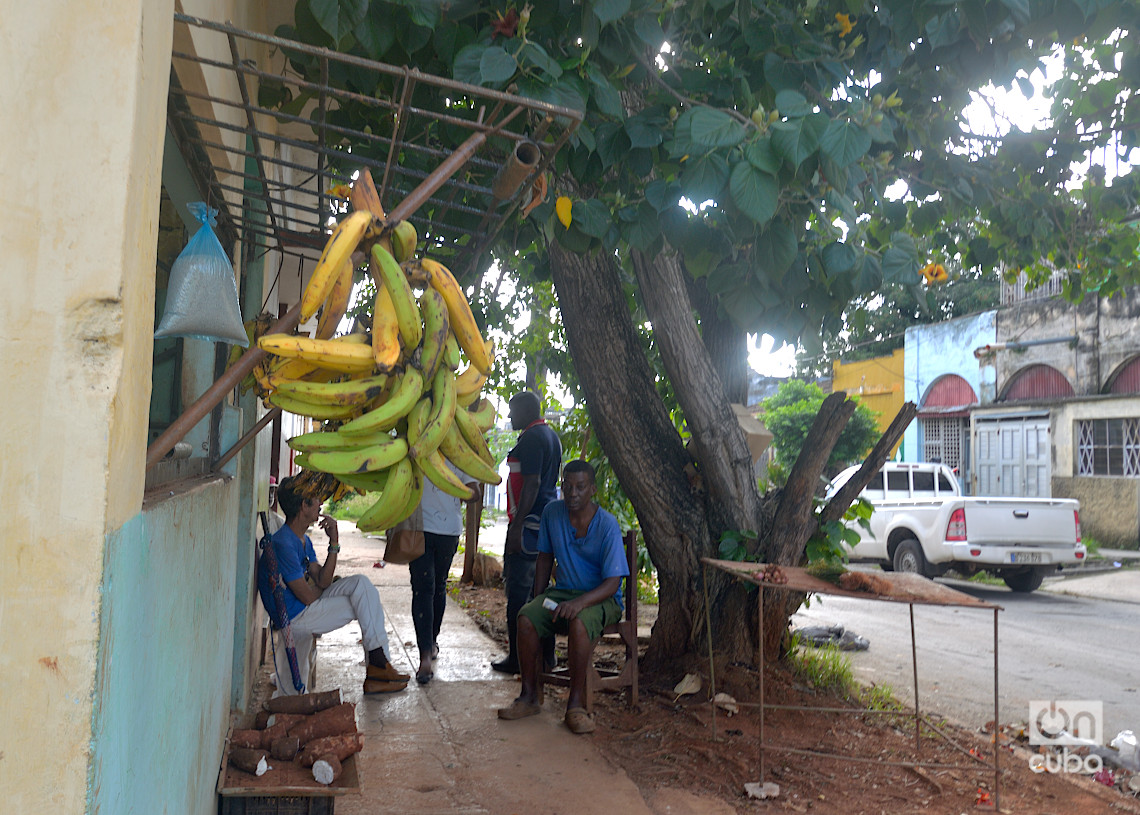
1012 457
946 440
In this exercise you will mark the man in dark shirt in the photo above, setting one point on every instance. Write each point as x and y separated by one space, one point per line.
531 484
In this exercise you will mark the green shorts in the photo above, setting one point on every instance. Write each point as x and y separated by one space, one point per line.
595 618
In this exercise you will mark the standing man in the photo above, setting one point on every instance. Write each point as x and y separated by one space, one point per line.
317 605
532 483
585 542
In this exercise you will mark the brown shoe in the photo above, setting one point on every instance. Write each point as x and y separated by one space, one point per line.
579 721
388 673
519 709
380 686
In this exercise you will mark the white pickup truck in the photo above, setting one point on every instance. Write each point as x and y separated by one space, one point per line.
922 523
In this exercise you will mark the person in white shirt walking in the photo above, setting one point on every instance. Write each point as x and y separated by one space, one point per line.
442 522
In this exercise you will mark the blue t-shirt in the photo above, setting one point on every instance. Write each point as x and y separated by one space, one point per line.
581 564
293 557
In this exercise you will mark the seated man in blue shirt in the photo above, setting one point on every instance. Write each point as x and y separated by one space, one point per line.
585 542
315 603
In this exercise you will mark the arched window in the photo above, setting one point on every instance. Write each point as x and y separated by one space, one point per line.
1037 382
949 391
1126 379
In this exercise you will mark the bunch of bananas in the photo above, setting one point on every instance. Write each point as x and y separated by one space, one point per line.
394 403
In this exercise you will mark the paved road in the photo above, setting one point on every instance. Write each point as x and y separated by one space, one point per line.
1051 646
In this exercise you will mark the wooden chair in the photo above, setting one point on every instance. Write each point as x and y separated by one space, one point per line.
626 629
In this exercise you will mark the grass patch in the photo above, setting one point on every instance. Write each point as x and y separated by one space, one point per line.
826 668
351 507
987 579
1092 545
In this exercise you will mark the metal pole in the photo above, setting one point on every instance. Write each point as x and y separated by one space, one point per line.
914 667
760 628
244 440
997 770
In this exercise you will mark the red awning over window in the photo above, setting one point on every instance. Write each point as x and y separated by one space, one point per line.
1038 382
949 395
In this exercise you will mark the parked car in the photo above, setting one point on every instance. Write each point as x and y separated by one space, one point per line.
922 523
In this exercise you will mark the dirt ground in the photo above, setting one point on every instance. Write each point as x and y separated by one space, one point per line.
667 741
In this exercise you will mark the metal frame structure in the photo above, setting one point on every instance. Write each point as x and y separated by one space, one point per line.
284 205
799 580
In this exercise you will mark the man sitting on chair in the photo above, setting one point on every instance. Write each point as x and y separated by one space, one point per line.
585 542
315 603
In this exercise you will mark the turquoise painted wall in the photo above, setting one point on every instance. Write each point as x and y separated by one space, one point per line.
162 687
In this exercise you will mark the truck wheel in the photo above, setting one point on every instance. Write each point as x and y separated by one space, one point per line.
909 558
1027 581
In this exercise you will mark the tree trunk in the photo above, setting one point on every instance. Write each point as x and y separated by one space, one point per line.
636 431
727 344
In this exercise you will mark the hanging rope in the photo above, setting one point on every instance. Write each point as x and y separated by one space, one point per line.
278 615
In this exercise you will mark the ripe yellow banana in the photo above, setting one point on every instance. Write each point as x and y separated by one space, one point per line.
331 440
403 239
456 450
436 331
339 248
462 320
403 299
354 392
337 302
484 414
385 416
465 421
345 356
283 368
438 473
299 407
392 500
385 330
379 456
470 381
442 415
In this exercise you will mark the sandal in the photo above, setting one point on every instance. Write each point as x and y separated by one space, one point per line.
579 721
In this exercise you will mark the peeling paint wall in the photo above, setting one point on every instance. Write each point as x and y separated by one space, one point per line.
935 350
166 651
877 382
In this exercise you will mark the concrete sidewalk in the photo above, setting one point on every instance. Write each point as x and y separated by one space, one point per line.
440 748
1120 584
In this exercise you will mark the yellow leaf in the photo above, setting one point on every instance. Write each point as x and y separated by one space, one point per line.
562 209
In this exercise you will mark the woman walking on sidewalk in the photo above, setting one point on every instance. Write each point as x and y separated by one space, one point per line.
442 522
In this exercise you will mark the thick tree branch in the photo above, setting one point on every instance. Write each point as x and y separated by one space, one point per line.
871 465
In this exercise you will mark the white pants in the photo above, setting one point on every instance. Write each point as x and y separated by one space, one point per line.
347 599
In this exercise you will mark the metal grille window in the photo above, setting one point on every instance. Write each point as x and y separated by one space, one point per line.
942 441
1108 447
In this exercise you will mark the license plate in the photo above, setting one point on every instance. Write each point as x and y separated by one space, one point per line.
1025 557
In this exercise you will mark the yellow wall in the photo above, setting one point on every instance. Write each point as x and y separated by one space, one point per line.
84 95
878 382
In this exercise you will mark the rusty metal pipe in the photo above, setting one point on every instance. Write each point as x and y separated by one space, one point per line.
246 439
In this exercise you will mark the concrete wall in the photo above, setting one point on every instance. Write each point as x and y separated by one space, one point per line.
877 382
931 351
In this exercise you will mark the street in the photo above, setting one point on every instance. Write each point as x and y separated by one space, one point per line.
1051 646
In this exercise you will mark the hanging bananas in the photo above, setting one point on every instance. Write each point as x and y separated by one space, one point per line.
395 408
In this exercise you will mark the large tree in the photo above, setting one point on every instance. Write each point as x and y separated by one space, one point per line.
780 125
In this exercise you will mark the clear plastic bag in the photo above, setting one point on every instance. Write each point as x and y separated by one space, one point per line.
202 299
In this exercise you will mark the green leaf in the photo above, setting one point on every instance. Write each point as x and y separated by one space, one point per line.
755 192
759 154
496 66
591 216
713 128
704 178
799 138
338 18
792 104
467 62
536 55
424 13
869 277
943 29
1018 8
375 32
838 259
844 142
641 233
609 10
613 143
646 129
899 265
776 248
662 194
649 31
604 94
